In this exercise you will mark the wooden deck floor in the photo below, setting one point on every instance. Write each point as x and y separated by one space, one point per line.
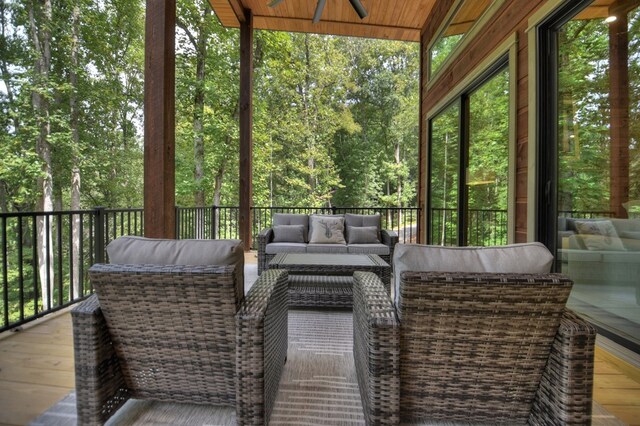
36 371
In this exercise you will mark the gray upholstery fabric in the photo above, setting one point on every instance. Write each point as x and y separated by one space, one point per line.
533 258
275 248
326 230
289 234
292 219
311 220
362 235
326 248
152 251
359 220
379 249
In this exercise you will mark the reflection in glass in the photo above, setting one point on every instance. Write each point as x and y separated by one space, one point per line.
445 163
488 166
599 168
463 19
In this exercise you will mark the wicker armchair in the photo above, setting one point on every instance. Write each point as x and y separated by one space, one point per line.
472 347
179 334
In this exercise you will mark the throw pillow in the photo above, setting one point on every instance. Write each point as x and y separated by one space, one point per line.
362 235
599 235
288 233
359 220
326 230
292 219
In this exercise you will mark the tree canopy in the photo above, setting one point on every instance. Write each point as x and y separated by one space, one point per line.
335 118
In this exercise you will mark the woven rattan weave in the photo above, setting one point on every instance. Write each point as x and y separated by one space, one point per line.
325 280
179 334
476 348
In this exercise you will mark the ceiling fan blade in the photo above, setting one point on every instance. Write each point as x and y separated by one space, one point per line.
319 9
357 6
274 3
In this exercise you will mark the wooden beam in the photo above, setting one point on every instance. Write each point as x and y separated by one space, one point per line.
619 129
275 23
159 119
246 126
225 13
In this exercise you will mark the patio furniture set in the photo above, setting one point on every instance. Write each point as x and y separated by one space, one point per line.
465 334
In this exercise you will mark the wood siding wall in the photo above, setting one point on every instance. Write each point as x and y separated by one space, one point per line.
510 18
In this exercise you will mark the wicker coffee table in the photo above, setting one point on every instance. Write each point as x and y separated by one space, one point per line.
325 280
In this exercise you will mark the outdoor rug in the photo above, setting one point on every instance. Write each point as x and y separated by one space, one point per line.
318 386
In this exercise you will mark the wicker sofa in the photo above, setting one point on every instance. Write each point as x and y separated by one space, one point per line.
301 233
479 346
173 325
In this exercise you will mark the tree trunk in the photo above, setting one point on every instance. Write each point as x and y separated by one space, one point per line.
217 190
41 39
75 161
398 160
4 207
198 110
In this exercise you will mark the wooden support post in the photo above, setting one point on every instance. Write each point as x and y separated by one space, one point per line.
246 126
619 130
159 120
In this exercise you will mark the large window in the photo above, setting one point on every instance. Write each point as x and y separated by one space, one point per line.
590 165
469 164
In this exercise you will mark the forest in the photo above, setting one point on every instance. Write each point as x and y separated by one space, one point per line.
335 118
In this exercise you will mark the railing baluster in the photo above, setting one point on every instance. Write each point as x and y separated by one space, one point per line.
5 275
34 263
59 238
20 268
71 283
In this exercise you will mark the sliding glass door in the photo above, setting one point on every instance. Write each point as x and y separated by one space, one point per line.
469 165
590 172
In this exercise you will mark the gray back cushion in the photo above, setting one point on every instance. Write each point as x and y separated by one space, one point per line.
153 251
292 219
526 258
360 220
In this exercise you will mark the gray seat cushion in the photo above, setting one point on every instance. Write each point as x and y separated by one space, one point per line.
379 249
275 248
327 248
292 219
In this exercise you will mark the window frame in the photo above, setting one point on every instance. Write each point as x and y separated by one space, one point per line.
430 76
503 61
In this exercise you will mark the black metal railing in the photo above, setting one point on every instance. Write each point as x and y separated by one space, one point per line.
45 257
485 227
222 222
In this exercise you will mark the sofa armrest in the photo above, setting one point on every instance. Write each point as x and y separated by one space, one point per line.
376 349
389 238
261 347
100 385
264 237
565 392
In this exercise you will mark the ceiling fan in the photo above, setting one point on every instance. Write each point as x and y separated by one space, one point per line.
357 6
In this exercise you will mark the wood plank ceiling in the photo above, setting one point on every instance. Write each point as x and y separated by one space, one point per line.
387 19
